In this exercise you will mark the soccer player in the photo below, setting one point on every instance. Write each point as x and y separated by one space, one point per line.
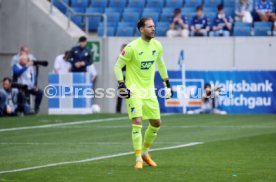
140 57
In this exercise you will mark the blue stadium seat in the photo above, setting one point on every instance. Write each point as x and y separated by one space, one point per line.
242 29
163 24
117 3
136 3
210 9
174 3
113 17
162 28
93 23
94 10
79 3
127 24
94 20
230 3
168 10
189 16
79 10
110 31
155 3
158 10
211 16
188 10
99 3
262 28
192 3
78 20
130 16
229 11
241 24
211 3
60 6
125 31
153 15
166 17
130 10
109 24
113 10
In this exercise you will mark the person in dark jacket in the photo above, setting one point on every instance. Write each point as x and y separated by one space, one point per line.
80 56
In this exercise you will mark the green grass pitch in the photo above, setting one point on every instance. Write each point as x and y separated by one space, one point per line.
234 148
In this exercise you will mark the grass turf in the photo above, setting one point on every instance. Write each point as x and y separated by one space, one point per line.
236 148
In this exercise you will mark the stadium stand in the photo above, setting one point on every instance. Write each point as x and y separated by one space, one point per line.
242 29
262 28
127 12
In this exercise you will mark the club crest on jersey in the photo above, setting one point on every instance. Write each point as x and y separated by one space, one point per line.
133 110
154 52
145 65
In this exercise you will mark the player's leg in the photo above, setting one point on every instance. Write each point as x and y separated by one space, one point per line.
134 108
150 111
137 141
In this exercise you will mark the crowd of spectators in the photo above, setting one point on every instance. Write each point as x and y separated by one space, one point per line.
222 23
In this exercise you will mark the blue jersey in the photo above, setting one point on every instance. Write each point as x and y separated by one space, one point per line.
177 25
265 7
199 22
79 54
218 22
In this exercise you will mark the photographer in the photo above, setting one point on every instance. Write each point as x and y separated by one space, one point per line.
24 74
8 98
23 50
209 101
62 65
80 56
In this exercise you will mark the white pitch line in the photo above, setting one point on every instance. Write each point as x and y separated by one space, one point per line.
62 124
96 158
69 123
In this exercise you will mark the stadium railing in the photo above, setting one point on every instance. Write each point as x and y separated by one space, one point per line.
72 13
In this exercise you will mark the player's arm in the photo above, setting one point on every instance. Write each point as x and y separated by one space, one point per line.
164 74
125 56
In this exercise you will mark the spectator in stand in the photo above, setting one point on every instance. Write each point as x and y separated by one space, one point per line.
80 56
178 26
62 64
23 50
199 24
24 74
243 11
222 23
264 9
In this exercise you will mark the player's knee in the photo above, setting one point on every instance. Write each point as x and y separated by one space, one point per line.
156 123
137 121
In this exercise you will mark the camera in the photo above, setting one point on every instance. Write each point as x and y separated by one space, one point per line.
40 63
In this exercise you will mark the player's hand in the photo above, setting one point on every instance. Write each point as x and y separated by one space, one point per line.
123 91
168 89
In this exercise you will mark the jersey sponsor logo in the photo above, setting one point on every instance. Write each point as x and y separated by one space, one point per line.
145 65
